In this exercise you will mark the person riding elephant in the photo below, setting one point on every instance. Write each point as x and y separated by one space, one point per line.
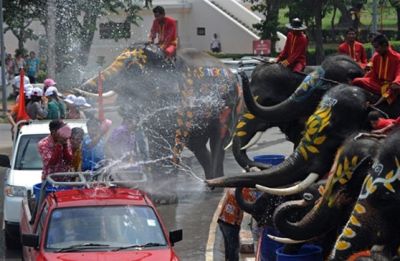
194 102
280 91
375 218
321 223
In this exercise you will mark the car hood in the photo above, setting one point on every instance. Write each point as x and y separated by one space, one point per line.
123 255
26 178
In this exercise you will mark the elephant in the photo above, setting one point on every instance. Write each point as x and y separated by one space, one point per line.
188 101
322 223
375 218
275 85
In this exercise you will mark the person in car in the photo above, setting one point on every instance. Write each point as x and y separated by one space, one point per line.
55 107
55 149
93 145
76 145
37 106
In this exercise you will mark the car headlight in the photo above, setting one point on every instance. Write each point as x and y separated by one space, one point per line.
14 191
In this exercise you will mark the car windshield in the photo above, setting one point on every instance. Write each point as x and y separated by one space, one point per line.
103 228
28 157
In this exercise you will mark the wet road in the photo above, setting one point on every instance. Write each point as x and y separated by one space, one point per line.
196 204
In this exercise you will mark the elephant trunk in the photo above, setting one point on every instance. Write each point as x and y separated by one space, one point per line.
241 156
288 172
315 223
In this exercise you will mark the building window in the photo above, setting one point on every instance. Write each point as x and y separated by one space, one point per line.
201 31
115 31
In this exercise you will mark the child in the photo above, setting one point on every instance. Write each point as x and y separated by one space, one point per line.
381 125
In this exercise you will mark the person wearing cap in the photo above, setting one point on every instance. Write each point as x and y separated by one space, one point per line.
47 83
55 106
293 54
37 107
74 104
353 48
55 149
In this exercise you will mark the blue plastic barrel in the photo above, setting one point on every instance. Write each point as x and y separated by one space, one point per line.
267 247
306 253
273 159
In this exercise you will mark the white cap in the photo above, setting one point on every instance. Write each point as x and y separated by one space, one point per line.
28 93
37 91
81 101
16 80
50 91
70 99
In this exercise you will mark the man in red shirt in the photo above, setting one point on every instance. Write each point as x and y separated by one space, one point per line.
164 28
353 48
293 54
384 77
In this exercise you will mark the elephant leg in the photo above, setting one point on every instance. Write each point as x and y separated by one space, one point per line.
198 146
217 151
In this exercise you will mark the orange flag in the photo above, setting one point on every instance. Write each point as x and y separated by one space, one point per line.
100 100
22 115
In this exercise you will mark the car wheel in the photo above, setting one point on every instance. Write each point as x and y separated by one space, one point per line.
11 241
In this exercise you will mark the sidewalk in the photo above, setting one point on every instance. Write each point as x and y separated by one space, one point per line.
247 244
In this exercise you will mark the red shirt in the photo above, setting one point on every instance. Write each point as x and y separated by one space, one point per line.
166 31
231 212
295 49
382 123
356 51
55 157
385 68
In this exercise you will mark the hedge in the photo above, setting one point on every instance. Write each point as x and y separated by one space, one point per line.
310 53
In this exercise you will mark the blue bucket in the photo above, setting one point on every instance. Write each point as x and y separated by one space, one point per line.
306 253
49 189
273 159
268 247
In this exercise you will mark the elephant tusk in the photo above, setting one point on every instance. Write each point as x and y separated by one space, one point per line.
90 94
253 140
311 178
285 240
229 145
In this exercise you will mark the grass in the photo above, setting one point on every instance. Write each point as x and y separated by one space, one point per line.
388 13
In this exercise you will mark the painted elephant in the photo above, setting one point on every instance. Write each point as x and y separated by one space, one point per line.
186 102
322 223
278 87
375 219
342 111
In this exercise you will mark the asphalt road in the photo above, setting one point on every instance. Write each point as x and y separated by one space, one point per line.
196 205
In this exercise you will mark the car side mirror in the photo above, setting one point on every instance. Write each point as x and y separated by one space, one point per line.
4 161
30 240
175 236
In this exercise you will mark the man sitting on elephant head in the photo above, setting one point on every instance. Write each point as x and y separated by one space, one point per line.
293 54
384 77
164 28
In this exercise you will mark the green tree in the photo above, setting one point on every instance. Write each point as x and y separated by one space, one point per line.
267 27
18 16
396 4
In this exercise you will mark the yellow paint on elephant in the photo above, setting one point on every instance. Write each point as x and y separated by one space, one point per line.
348 232
359 209
312 149
249 116
354 221
339 170
304 153
319 140
354 160
241 133
371 188
342 245
241 124
389 187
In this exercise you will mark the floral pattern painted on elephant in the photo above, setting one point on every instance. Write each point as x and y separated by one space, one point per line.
314 131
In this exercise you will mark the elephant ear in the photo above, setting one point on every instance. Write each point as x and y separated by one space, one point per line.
360 172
